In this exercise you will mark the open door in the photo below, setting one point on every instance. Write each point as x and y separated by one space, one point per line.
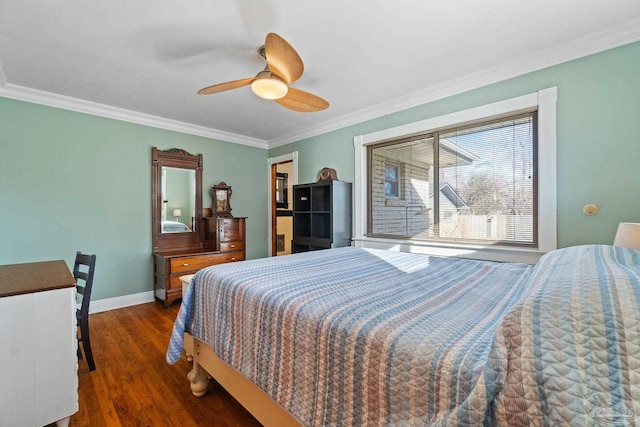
272 214
281 207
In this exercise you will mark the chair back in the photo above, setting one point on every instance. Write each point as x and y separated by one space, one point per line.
83 270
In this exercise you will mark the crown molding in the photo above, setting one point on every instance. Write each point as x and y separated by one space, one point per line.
620 35
74 104
625 33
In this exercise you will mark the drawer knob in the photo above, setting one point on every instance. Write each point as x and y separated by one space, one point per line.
233 258
233 246
185 265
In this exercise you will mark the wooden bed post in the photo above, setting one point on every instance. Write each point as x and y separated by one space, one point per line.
198 376
199 380
208 366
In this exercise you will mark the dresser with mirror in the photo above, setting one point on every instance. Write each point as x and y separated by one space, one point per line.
180 244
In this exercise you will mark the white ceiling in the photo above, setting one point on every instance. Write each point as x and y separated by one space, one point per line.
144 60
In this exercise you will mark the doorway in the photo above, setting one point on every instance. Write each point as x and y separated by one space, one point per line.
284 174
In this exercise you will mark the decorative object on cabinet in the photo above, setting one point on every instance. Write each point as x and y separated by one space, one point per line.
83 270
221 195
38 363
327 174
321 215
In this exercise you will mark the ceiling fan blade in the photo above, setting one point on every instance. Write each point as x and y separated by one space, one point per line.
282 58
221 87
305 102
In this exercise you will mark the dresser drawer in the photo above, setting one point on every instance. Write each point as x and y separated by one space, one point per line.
231 257
231 246
179 265
228 245
175 291
192 264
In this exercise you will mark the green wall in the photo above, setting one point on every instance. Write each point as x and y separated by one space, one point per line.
71 181
598 139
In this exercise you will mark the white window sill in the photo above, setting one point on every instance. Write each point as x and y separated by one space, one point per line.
481 252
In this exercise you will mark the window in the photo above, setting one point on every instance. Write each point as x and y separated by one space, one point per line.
485 176
478 183
391 186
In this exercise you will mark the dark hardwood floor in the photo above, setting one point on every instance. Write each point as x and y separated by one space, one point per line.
134 386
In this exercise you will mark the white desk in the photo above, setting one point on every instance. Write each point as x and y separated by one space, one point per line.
38 362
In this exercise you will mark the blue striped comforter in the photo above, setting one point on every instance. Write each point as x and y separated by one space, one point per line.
366 337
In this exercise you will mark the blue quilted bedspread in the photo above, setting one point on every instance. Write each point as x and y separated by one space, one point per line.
366 337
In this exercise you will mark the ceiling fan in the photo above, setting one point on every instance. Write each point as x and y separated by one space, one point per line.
284 67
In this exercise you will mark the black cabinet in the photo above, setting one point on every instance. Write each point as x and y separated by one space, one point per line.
321 215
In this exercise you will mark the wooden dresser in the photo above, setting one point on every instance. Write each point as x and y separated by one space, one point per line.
195 239
224 242
38 362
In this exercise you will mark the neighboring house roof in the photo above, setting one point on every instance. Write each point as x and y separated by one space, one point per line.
452 196
417 152
464 155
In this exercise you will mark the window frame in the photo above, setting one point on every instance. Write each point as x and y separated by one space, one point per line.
545 102
435 136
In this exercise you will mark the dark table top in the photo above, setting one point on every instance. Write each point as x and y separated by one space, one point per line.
18 279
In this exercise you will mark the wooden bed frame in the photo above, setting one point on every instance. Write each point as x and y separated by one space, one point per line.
207 365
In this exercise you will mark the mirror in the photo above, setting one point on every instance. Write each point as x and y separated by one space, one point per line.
282 187
177 200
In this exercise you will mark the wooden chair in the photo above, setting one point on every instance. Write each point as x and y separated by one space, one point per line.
83 270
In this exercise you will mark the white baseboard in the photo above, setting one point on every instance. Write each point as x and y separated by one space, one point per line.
120 302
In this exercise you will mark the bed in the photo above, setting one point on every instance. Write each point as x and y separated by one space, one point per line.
354 336
173 227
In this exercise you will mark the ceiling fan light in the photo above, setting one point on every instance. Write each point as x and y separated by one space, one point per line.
269 87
